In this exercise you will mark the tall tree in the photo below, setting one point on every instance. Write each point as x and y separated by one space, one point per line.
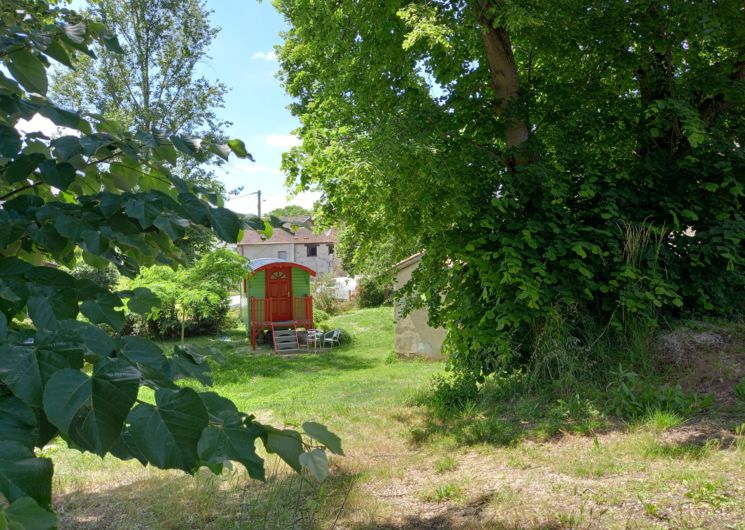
152 83
550 157
110 193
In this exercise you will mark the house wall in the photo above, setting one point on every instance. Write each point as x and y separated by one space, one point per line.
297 252
412 334
256 287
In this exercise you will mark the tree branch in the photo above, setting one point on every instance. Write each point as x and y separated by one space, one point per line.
711 107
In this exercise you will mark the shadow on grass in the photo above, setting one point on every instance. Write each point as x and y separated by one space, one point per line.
242 362
231 500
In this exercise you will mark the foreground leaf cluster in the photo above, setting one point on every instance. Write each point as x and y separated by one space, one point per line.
65 368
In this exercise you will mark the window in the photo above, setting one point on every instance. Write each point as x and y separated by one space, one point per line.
331 249
312 250
282 254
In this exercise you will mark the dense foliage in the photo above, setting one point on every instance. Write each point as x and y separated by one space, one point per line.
108 191
193 300
553 158
291 210
152 83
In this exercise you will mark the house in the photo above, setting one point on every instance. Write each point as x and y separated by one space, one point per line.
413 336
315 251
275 294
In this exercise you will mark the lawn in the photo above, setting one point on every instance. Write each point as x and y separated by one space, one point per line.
404 469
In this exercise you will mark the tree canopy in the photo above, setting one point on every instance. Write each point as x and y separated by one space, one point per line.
108 190
549 157
291 210
151 82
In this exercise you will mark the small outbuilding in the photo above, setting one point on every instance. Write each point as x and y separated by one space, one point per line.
275 294
413 336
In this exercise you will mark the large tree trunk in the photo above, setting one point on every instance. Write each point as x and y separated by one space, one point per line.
505 80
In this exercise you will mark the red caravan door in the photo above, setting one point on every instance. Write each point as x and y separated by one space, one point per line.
279 290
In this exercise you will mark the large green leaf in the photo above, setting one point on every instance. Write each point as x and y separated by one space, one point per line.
17 422
143 301
185 364
225 223
150 360
19 370
167 434
41 312
102 310
287 444
321 434
24 475
92 410
227 438
239 148
28 70
58 175
316 463
10 141
26 514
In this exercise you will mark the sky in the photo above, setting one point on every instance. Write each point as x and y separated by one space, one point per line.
242 57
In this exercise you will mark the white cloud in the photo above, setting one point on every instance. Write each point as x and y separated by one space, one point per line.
264 56
283 140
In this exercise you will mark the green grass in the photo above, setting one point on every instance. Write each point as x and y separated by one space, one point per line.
501 462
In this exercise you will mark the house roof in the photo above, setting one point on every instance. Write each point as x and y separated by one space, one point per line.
255 265
409 261
303 234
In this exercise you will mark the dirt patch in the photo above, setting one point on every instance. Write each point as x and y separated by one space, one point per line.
710 361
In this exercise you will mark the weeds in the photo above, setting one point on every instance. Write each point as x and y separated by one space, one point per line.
444 493
445 464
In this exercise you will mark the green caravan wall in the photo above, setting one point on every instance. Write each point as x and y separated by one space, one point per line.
300 282
256 287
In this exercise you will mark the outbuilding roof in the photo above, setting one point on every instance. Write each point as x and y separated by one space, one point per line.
255 265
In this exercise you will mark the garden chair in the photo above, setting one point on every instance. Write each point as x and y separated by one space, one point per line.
331 339
314 339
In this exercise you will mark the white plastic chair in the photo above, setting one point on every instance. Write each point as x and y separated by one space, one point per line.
331 338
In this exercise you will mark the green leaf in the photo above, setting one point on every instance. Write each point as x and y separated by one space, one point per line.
287 444
66 147
316 463
41 312
92 410
239 148
183 365
17 422
10 141
24 475
322 435
184 144
26 514
167 434
102 310
125 177
22 167
58 175
75 32
227 438
225 223
150 360
143 301
19 371
57 52
28 70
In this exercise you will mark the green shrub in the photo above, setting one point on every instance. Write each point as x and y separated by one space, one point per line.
633 396
452 391
740 389
371 293
324 294
319 315
194 300
106 277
